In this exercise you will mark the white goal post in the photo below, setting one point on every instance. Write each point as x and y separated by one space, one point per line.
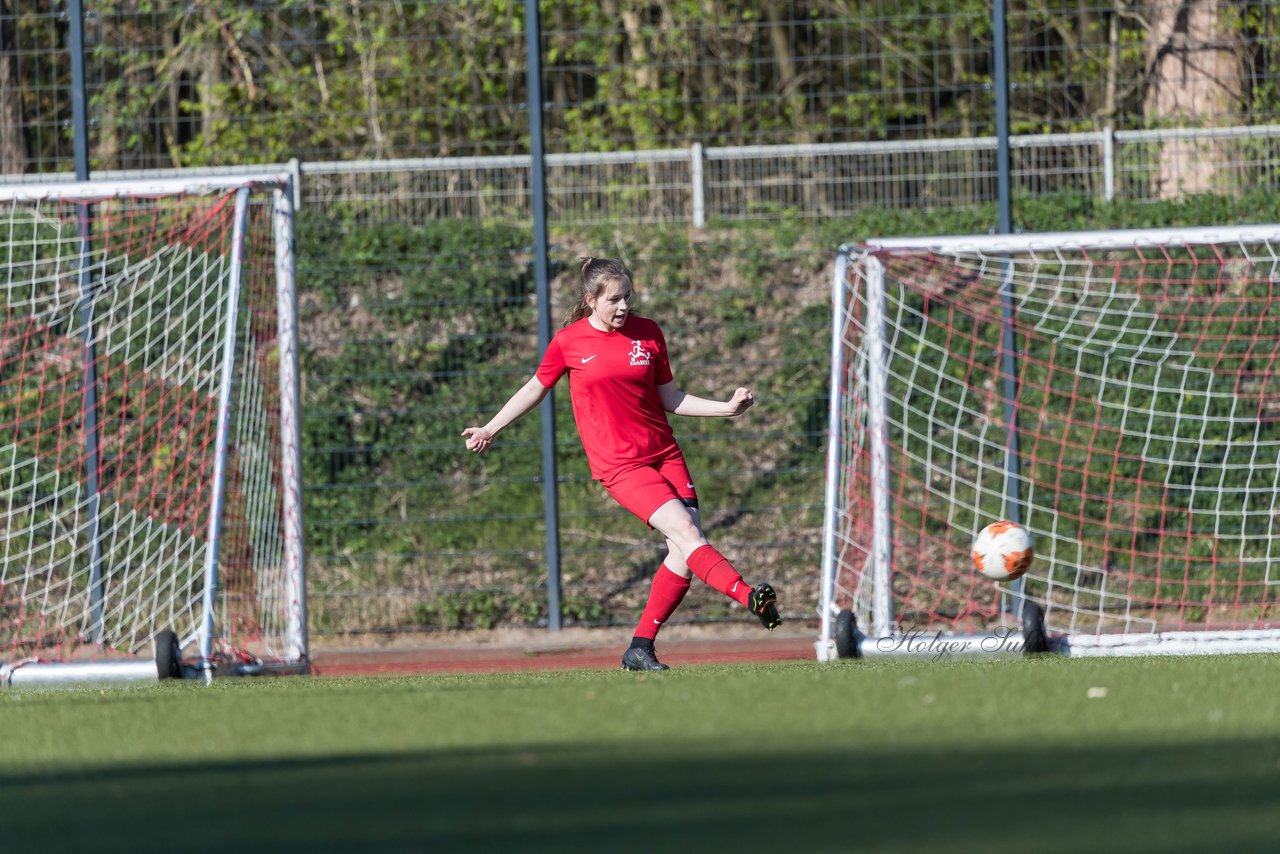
1116 392
149 431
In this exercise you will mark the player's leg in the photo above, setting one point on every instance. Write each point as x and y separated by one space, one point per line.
674 560
684 535
682 526
665 595
675 472
683 531
639 490
647 491
670 584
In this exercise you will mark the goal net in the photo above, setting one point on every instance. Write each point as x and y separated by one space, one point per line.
149 440
1118 393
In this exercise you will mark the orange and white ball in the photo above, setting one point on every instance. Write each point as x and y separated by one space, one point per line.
1003 551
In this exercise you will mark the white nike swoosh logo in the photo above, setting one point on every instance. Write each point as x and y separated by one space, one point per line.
688 486
586 359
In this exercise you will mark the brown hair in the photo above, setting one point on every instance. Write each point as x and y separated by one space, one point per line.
597 273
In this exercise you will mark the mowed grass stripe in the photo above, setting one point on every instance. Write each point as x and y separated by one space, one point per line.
1179 754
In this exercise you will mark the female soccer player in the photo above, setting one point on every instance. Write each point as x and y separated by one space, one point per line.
622 388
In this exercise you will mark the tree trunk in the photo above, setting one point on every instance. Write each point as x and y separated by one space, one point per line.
644 76
13 149
1110 101
789 82
1194 78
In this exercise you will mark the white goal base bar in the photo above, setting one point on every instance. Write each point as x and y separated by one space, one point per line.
939 646
932 646
37 674
166 663
1174 643
62 674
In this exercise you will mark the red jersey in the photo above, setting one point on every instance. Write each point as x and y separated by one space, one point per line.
613 382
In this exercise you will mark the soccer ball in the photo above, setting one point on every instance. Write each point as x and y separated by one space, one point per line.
1002 551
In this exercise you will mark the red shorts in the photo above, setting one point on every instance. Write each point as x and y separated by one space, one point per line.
645 488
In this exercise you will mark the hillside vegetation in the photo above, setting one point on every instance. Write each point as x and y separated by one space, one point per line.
412 333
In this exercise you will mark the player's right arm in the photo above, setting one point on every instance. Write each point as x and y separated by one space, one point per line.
524 400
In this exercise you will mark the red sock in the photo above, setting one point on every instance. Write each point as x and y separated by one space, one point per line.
715 569
664 597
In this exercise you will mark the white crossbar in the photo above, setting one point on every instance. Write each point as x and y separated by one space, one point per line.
91 190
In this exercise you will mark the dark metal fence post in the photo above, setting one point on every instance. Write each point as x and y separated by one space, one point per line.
88 352
542 278
1008 338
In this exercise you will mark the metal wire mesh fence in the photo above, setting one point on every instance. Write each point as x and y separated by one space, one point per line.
192 84
707 185
407 123
405 350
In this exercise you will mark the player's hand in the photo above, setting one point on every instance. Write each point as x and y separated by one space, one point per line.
741 401
478 439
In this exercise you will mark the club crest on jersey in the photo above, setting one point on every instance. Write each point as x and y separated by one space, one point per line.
639 355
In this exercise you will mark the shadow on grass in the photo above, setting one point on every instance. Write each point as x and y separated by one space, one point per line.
1189 797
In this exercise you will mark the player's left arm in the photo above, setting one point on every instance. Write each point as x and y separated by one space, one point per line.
679 402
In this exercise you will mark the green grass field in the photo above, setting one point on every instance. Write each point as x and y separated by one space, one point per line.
1179 755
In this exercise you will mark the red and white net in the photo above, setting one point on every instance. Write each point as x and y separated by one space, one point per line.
1148 412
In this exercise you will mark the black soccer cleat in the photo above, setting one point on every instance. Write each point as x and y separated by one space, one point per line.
641 658
763 602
